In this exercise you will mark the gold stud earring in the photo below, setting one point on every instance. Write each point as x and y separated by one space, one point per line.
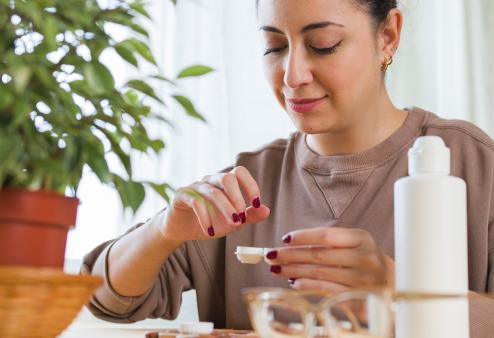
386 63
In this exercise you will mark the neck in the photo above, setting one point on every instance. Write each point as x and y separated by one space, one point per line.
373 125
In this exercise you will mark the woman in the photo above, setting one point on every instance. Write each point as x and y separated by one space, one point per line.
328 185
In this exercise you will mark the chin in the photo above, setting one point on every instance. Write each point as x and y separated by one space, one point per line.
308 129
315 126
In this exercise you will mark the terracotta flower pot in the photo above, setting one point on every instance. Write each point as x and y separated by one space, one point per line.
34 226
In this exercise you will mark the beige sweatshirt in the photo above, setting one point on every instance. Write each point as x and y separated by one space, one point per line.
306 190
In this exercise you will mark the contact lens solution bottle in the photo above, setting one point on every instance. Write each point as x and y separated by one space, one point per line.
430 213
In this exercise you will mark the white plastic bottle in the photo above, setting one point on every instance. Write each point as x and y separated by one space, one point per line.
431 244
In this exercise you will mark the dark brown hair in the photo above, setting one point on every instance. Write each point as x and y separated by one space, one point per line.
377 9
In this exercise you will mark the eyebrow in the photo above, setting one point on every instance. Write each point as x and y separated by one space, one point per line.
312 26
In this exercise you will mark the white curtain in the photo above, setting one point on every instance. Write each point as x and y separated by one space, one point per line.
443 64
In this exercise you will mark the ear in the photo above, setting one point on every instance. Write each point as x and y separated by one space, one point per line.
390 33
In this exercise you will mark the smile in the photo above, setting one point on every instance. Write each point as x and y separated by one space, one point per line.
302 106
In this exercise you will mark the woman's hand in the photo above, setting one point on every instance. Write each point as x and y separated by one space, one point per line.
331 259
214 207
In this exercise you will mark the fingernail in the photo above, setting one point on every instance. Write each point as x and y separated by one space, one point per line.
211 231
287 239
243 218
236 219
291 281
272 254
256 202
275 269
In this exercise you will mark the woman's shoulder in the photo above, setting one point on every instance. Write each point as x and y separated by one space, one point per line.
274 148
458 133
272 154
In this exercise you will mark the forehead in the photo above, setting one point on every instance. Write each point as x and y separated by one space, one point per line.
293 14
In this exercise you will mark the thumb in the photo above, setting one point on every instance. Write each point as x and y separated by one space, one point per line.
255 215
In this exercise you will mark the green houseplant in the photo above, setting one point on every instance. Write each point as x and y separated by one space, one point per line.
61 111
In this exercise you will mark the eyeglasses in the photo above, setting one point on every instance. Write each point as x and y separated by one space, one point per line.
356 313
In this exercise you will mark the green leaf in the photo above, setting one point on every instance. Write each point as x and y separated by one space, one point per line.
162 78
141 48
163 119
189 107
8 145
50 30
197 70
131 97
99 167
143 88
157 145
126 54
162 190
138 7
30 10
132 193
21 75
139 29
21 113
6 97
98 77
114 139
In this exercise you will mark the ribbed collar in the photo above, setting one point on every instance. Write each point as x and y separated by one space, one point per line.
372 157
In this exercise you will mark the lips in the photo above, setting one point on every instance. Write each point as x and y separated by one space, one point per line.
304 105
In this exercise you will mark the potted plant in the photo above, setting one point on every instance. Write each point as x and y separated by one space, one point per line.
61 111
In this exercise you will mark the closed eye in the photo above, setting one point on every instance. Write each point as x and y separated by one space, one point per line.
273 50
329 50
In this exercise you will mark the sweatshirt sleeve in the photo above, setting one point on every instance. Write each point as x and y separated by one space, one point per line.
162 300
482 308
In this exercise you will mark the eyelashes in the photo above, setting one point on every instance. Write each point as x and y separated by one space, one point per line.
320 51
325 51
273 50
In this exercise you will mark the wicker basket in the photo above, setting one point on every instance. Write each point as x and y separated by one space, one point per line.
40 302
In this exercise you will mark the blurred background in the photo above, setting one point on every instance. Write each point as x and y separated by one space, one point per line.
444 64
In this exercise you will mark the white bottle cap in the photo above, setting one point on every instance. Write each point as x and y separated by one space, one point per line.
429 155
196 328
250 255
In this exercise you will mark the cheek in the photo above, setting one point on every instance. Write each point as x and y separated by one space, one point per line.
273 72
349 74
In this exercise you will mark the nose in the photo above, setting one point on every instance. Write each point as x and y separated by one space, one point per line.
297 70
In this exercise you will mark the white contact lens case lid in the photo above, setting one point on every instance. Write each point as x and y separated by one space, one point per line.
196 328
250 255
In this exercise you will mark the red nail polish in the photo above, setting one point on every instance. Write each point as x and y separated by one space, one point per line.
291 281
211 231
236 219
243 218
272 254
256 202
287 239
276 269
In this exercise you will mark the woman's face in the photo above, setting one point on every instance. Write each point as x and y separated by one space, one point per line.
322 59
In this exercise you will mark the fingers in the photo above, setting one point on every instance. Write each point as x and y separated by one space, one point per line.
254 215
306 284
344 256
229 184
329 237
233 183
196 202
218 200
315 255
248 184
344 276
